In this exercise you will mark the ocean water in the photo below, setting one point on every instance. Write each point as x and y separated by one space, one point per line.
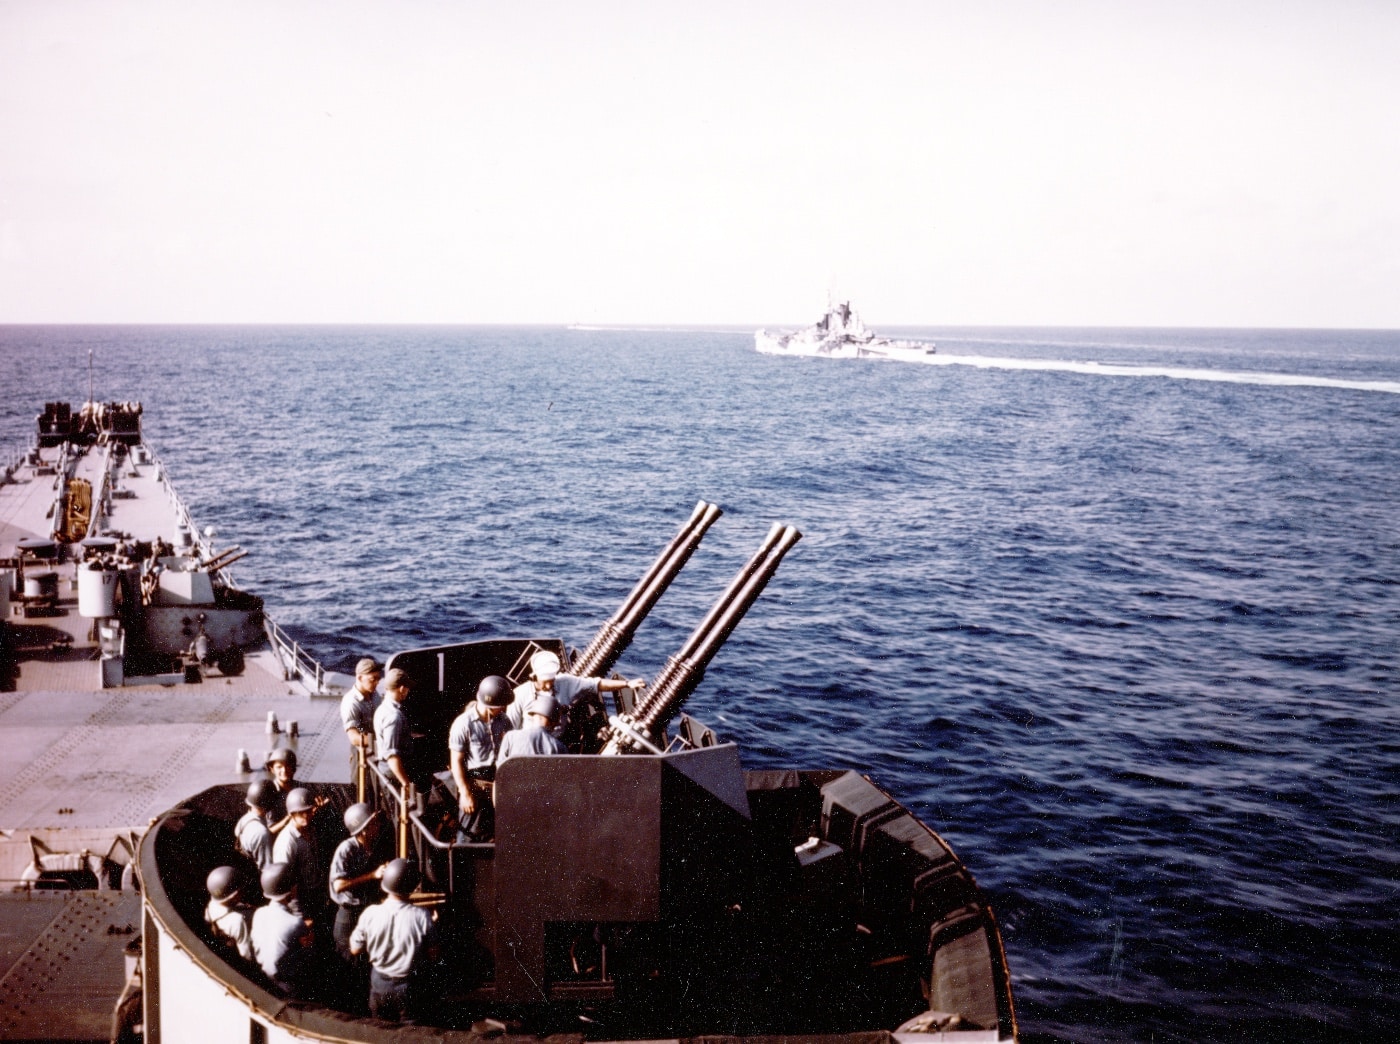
1116 611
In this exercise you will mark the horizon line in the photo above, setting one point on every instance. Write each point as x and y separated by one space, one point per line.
663 327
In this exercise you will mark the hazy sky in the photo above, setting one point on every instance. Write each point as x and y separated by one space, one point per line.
1058 162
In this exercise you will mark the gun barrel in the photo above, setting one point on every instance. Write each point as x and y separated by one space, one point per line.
224 559
614 636
684 671
731 592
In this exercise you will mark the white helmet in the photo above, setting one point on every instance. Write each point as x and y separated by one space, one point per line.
544 665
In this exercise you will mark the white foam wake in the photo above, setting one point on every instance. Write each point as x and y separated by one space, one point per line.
1179 373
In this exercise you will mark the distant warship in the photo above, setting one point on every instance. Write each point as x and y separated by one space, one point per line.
840 334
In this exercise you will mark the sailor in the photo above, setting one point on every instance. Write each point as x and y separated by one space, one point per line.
283 943
356 869
281 768
297 848
567 689
399 939
472 743
393 743
357 709
282 771
227 915
535 737
251 834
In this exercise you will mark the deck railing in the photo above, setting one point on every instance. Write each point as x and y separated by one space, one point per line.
297 663
14 457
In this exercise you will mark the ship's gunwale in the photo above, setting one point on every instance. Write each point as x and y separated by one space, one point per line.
317 1022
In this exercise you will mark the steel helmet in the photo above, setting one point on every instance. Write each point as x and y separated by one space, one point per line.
262 794
300 800
544 665
222 883
544 704
357 817
279 880
285 754
400 878
494 691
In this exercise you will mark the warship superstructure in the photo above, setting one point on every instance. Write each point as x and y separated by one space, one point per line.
840 334
642 886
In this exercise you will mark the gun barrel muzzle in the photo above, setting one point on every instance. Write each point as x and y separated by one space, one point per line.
612 639
683 672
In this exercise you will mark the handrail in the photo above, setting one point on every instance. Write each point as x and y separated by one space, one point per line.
297 663
14 458
425 836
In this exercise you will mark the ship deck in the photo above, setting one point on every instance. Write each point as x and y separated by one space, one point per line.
85 768
140 503
63 963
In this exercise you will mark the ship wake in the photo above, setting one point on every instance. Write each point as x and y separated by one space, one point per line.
1180 373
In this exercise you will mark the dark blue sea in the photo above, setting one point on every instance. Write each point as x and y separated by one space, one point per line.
1116 611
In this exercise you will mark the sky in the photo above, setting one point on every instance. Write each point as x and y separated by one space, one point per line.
1001 162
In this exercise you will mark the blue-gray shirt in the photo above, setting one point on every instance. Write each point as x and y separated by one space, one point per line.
296 848
231 924
254 839
532 739
392 933
357 710
391 735
352 859
477 738
277 935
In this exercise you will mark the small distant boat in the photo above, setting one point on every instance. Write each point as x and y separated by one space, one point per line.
840 334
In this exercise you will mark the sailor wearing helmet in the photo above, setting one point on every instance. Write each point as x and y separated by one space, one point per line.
400 941
281 769
227 915
296 846
567 689
251 834
535 737
282 940
356 869
472 743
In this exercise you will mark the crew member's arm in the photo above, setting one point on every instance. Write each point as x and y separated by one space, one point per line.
618 684
396 766
344 884
466 797
389 744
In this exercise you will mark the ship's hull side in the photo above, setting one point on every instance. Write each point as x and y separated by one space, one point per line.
840 348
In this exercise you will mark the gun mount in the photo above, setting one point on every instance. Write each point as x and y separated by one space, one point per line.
683 671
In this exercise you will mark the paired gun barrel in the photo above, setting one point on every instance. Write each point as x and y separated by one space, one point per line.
683 672
608 645
224 559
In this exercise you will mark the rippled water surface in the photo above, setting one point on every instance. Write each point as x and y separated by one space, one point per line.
1115 611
